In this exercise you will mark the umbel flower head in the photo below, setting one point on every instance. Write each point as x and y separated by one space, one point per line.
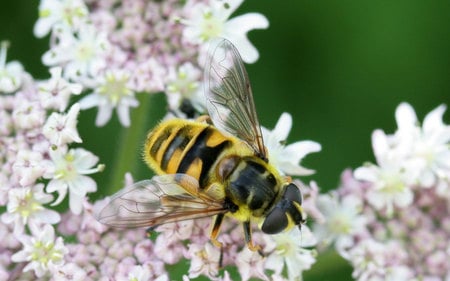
117 50
43 251
398 227
107 53
34 127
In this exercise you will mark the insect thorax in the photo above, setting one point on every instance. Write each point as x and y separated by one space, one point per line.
253 186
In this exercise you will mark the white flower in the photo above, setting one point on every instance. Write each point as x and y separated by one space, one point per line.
374 260
388 187
205 22
55 93
287 250
62 128
83 55
287 158
25 207
68 174
65 13
367 259
112 92
390 182
11 74
429 154
204 260
41 251
251 264
69 271
183 85
139 273
28 115
342 220
29 166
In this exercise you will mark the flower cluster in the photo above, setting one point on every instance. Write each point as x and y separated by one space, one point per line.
103 253
37 160
391 219
102 53
116 50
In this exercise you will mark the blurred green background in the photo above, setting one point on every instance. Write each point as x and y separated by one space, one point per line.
339 67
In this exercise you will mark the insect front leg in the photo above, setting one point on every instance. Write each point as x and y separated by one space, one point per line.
248 237
215 230
214 233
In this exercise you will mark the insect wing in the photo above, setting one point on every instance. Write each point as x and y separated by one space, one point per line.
229 97
163 199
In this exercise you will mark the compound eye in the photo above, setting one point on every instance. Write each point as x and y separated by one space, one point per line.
275 222
293 193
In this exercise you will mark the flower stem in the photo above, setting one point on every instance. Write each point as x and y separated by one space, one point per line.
129 154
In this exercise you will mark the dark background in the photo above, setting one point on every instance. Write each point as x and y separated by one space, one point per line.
339 67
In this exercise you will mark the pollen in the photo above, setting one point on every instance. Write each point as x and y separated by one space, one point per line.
115 88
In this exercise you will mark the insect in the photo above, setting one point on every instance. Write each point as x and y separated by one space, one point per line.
211 170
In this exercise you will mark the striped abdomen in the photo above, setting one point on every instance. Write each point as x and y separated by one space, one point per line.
180 146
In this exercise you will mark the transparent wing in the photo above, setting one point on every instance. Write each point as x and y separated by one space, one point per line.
163 199
229 97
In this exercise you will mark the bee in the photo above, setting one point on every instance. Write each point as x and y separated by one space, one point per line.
206 170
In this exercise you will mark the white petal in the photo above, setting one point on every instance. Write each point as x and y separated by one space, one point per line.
20 256
42 27
380 145
283 127
76 203
427 178
294 170
247 22
60 187
366 173
84 159
46 234
103 115
377 199
404 199
89 101
274 262
82 185
298 150
49 216
246 49
433 120
8 218
55 185
243 24
123 112
405 116
308 239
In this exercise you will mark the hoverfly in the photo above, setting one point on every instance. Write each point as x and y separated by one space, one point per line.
211 170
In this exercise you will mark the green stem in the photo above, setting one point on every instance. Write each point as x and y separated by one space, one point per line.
129 149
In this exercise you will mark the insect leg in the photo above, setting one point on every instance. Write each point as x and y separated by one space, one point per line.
248 237
204 119
215 230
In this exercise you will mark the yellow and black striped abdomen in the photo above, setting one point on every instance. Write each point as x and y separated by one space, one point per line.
187 147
